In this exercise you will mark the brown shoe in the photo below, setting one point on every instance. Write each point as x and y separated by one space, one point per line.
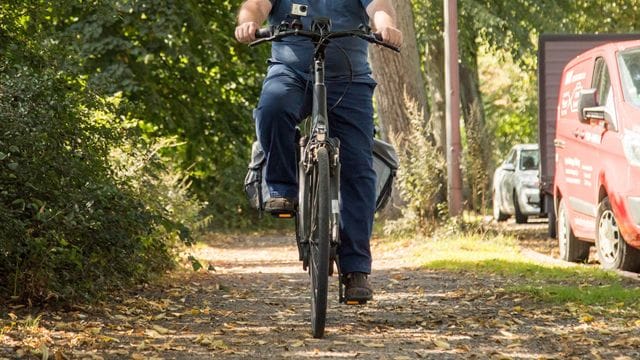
357 288
280 205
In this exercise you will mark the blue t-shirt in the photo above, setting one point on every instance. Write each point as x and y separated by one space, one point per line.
297 52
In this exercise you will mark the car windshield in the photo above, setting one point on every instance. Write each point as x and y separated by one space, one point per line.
529 160
629 62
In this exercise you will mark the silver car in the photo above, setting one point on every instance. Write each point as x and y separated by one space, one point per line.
515 185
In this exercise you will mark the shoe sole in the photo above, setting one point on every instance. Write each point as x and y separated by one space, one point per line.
360 297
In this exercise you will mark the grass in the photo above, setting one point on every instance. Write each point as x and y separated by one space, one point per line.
493 254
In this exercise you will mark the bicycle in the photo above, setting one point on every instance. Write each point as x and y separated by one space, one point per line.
318 212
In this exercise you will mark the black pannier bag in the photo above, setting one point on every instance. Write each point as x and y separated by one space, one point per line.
385 164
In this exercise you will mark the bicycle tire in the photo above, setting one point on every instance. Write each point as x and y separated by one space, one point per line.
319 242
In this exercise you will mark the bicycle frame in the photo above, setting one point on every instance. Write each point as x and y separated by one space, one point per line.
319 136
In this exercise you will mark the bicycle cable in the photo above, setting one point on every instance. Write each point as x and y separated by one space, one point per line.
350 66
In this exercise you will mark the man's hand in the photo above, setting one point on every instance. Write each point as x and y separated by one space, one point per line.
391 35
383 17
246 32
252 13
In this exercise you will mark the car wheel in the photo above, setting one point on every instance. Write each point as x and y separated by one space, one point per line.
613 250
520 218
497 214
571 249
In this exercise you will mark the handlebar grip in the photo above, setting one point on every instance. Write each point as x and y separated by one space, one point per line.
381 42
263 33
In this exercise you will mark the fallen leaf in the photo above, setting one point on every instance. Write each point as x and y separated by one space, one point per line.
441 344
59 355
93 330
151 333
161 330
219 345
586 318
373 345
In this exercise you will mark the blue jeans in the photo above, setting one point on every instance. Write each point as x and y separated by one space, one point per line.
286 99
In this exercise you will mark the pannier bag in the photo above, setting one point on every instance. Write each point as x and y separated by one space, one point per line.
255 185
385 164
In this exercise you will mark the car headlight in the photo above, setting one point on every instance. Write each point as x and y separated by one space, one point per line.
631 146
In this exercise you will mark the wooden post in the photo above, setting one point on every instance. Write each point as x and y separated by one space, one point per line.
452 92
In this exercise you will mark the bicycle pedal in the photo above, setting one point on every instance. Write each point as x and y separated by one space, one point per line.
283 215
355 302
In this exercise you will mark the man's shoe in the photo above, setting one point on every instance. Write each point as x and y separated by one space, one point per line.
357 288
278 205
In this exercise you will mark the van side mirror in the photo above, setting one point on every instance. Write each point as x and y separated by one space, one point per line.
587 100
588 109
508 167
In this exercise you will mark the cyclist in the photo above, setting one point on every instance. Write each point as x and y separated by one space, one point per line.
286 100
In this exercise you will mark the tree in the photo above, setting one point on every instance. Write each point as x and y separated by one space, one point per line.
401 92
399 76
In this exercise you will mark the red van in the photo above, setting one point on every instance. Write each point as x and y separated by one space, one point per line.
597 161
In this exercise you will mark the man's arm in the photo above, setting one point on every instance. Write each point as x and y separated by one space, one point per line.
251 15
383 16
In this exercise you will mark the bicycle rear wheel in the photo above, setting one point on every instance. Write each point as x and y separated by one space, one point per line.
319 242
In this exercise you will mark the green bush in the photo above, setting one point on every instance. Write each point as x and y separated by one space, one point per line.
71 224
422 167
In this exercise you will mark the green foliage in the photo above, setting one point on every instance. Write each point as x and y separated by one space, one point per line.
178 63
421 167
476 173
66 224
73 223
511 106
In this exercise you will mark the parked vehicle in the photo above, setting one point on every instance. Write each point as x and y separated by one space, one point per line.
515 185
554 52
596 187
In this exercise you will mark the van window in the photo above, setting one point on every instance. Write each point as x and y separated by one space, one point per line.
602 84
629 63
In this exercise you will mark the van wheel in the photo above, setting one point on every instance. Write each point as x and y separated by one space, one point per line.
571 249
520 218
497 214
613 250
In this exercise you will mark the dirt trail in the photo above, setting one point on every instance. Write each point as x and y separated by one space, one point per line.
255 305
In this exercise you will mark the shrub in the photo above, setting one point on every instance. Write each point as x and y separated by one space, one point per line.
422 167
71 225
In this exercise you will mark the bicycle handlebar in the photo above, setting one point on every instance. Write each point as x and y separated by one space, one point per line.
266 35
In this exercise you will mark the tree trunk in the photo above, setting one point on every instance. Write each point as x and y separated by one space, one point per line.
434 69
399 76
400 81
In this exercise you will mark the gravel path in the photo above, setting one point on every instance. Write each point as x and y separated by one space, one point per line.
253 303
